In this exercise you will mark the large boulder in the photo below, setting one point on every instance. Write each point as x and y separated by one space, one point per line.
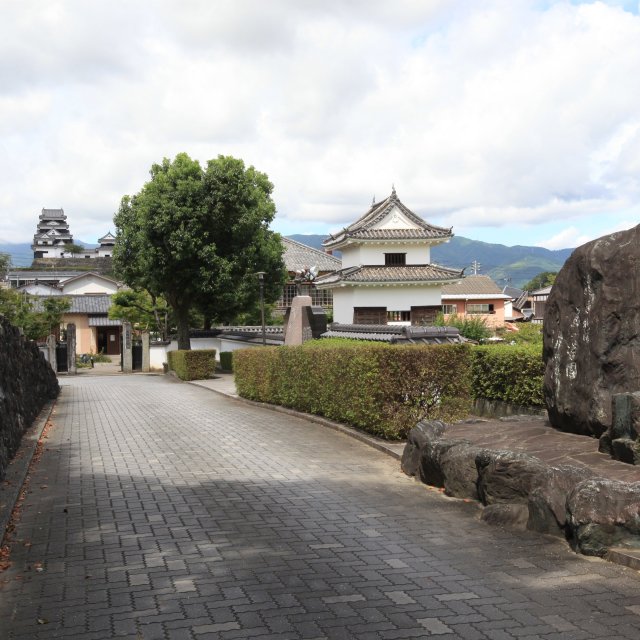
425 432
604 514
592 333
507 476
548 498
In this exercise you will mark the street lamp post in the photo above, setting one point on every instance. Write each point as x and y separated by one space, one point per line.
261 279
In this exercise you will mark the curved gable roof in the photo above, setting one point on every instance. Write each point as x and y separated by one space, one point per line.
365 228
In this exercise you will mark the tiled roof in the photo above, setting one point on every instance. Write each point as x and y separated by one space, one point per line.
472 286
48 274
362 229
53 213
512 292
90 304
390 275
103 321
395 334
298 255
80 276
395 234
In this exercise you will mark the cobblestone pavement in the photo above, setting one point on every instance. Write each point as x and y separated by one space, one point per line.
163 510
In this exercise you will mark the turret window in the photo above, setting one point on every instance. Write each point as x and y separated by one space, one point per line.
395 259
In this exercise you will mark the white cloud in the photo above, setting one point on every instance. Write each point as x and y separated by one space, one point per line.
482 114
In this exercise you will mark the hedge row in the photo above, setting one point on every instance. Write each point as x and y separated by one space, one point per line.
381 389
507 373
226 360
192 365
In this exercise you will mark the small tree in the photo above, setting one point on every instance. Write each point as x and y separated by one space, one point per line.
35 319
198 238
5 264
141 308
73 249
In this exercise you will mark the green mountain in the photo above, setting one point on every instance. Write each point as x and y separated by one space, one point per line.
513 266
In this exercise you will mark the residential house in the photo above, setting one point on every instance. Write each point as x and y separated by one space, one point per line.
539 302
90 297
478 296
386 275
519 309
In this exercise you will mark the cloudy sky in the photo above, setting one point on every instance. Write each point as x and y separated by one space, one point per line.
514 121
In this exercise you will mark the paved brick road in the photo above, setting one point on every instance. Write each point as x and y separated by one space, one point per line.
163 510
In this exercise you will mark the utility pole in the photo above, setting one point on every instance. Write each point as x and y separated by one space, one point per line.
475 265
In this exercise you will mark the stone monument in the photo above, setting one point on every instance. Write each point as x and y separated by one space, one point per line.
303 321
592 336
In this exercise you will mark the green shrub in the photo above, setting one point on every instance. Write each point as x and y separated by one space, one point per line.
528 333
192 365
508 373
381 389
226 360
471 327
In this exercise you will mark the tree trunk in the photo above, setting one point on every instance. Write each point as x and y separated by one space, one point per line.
182 321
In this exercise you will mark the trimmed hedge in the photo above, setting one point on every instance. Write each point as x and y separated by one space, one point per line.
192 365
381 389
508 373
226 360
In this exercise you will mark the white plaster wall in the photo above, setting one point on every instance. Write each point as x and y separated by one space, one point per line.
89 284
393 298
158 352
343 305
373 254
236 345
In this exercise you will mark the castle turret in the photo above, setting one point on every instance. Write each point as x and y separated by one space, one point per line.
52 234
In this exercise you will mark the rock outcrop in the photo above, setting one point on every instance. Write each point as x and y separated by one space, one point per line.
520 491
592 333
27 382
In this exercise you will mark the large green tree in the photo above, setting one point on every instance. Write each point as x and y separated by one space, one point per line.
198 237
540 281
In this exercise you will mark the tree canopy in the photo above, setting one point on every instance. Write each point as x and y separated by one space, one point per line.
36 319
540 281
198 237
141 309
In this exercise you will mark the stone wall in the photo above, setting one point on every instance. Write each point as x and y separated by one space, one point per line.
27 382
103 266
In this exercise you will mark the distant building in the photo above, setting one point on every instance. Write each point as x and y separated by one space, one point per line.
53 236
477 296
386 274
297 257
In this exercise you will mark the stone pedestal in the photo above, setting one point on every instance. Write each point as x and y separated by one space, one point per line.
146 353
127 347
298 329
51 352
72 369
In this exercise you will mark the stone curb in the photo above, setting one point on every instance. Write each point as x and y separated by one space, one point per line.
17 470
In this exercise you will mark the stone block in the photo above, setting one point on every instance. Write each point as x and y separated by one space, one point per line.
603 514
